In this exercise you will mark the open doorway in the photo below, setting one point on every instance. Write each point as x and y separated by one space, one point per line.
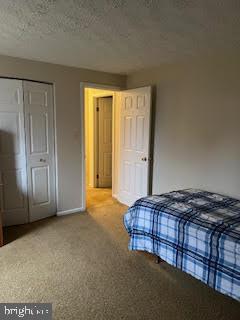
100 141
127 130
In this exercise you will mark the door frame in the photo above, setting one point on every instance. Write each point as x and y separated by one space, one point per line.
83 86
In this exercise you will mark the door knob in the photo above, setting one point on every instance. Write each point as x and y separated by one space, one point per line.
1 179
42 160
144 159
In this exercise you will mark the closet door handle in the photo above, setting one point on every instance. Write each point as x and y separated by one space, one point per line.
1 179
42 160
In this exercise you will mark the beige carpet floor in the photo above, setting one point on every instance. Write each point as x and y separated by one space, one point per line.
82 265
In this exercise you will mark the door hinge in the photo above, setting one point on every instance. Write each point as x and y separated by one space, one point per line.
97 109
97 176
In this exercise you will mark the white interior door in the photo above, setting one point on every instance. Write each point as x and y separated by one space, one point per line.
38 104
105 142
12 153
134 144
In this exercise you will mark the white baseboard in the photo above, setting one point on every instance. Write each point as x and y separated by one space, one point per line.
70 211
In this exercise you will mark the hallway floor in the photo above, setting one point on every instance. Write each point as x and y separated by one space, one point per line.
82 265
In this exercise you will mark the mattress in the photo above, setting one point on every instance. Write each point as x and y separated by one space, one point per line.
194 230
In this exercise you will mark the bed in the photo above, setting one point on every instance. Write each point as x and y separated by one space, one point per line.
194 230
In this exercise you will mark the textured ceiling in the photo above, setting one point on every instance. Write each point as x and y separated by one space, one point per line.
120 35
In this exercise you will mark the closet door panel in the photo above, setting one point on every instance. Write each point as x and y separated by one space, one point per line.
38 102
13 193
40 185
38 133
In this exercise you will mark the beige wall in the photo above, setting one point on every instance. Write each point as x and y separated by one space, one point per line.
66 82
197 131
197 124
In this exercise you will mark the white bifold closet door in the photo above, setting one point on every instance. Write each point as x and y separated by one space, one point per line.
38 110
13 193
27 169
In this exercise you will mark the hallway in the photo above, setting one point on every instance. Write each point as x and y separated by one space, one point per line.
96 195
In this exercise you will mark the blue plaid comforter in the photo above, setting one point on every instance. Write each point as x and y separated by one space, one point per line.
193 230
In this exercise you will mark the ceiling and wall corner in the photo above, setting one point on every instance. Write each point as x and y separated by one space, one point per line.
117 36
